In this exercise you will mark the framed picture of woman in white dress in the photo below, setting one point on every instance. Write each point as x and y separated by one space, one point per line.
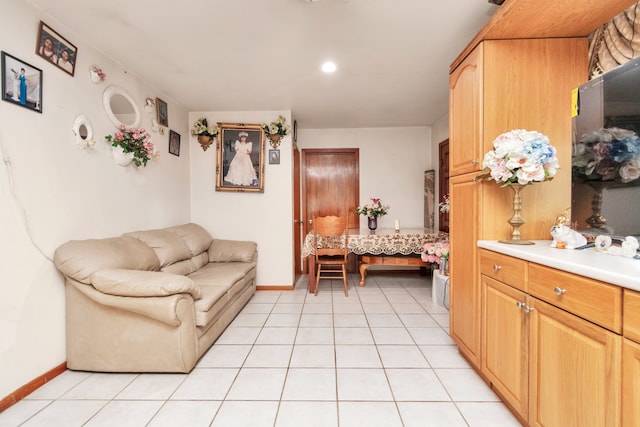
240 157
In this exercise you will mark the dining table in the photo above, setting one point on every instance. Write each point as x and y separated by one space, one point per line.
383 246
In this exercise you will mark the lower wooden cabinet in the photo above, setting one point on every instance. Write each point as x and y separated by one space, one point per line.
552 367
505 343
630 383
574 370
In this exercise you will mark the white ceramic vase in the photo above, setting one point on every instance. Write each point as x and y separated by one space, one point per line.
120 157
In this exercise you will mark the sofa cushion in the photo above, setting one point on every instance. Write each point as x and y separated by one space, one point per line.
135 283
231 251
221 274
195 237
187 266
169 247
208 307
79 259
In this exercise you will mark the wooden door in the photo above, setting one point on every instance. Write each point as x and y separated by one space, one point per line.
297 216
630 383
330 184
505 342
574 377
466 198
443 183
465 114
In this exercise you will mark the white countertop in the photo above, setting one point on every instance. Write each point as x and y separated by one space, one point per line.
613 269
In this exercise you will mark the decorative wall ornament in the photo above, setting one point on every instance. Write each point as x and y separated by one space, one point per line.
120 107
204 132
275 131
96 74
83 132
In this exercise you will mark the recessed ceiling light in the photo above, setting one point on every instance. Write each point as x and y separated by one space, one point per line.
329 67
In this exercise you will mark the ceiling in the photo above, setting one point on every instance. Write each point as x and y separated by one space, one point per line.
393 56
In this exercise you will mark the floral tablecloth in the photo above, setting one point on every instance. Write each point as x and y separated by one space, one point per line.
384 241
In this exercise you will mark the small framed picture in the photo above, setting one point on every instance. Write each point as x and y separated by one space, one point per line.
274 157
174 142
56 49
162 111
21 83
240 156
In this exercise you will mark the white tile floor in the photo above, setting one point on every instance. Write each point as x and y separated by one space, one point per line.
380 357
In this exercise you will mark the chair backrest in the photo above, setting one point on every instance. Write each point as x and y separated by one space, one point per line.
332 233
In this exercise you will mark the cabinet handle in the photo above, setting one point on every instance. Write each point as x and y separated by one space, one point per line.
528 309
520 304
558 291
474 162
497 267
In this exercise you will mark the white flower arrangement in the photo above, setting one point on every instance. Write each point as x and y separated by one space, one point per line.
521 157
201 127
277 128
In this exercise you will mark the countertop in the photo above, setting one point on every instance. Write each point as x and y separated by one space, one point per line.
612 269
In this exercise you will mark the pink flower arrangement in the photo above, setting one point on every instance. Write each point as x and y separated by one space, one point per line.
373 209
136 141
435 252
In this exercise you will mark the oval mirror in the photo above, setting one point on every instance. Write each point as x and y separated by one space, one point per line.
83 131
120 107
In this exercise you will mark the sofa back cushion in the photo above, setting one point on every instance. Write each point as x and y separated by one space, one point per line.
79 259
195 237
169 247
232 251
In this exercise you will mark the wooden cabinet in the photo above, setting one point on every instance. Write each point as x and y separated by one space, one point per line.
465 296
465 115
503 85
551 362
631 360
505 343
574 370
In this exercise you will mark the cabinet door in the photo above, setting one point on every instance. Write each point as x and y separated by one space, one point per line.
465 115
630 384
505 342
465 281
574 370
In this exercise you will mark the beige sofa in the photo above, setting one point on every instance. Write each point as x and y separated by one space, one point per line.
154 300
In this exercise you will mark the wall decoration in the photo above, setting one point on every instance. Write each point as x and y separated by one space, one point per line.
83 131
96 74
429 198
162 110
274 157
240 157
120 107
56 49
21 83
174 143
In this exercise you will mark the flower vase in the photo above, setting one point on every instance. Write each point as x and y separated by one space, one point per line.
275 140
205 141
516 220
444 266
373 223
120 157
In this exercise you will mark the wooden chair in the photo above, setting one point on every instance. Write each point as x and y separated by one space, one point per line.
332 232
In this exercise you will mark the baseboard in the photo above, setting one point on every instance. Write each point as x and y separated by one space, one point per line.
31 386
274 288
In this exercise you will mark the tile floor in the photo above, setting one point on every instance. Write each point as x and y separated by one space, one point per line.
380 357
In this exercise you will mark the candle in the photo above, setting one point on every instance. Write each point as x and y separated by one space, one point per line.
397 225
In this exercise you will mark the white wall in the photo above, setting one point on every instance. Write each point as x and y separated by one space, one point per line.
392 165
266 218
51 191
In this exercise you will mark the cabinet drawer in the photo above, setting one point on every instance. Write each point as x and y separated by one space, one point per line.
509 270
590 299
631 327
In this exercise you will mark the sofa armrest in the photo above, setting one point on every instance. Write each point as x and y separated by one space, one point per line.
138 283
232 251
162 308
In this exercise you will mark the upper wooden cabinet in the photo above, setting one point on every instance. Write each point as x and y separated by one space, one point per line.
465 115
